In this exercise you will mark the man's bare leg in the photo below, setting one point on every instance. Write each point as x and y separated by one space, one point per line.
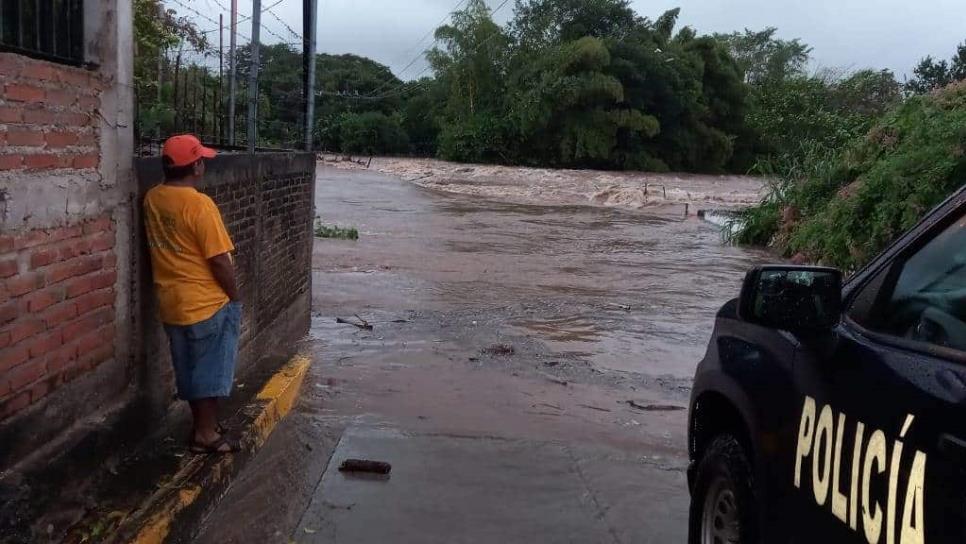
205 413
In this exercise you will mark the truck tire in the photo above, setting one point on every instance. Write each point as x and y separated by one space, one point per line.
723 509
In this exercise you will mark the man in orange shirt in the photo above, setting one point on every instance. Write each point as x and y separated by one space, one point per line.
194 278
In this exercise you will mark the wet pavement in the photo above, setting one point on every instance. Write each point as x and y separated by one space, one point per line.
507 340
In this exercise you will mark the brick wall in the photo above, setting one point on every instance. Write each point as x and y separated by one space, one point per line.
48 114
266 202
65 235
58 268
56 308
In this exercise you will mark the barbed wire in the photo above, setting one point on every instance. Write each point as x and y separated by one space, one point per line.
294 33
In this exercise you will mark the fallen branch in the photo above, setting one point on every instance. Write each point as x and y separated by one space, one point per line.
364 465
654 407
363 324
598 408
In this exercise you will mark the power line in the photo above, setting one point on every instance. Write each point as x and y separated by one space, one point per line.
475 49
419 42
279 19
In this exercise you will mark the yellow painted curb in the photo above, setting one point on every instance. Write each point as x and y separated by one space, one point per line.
272 403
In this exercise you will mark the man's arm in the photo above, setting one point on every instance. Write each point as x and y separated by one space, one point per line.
223 270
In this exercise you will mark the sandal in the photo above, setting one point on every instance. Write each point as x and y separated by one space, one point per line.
216 447
220 429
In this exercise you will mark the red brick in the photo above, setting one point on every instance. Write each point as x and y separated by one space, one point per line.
74 119
39 116
61 97
87 324
60 139
59 272
13 405
25 137
43 257
9 312
10 64
23 284
22 330
64 233
88 102
7 243
38 70
59 314
87 138
86 161
4 339
31 238
11 357
77 78
90 360
23 93
10 115
110 260
60 359
93 340
101 224
8 268
41 300
11 162
45 343
26 373
91 282
92 301
42 161
75 248
103 241
39 390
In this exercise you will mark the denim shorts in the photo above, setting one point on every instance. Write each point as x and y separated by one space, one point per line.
204 354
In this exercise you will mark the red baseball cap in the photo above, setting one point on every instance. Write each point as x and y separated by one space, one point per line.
185 149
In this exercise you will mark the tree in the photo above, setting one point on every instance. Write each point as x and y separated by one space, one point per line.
763 58
931 74
157 33
571 112
470 60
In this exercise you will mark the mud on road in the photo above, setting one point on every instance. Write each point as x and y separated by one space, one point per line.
568 330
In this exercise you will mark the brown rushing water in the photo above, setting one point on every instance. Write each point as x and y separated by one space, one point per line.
600 305
624 290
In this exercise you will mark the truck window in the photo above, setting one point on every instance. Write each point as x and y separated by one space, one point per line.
923 297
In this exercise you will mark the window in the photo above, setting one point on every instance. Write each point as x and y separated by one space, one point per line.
48 29
922 297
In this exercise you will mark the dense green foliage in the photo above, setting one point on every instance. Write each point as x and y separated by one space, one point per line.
841 208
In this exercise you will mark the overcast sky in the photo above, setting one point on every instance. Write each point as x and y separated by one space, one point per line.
849 34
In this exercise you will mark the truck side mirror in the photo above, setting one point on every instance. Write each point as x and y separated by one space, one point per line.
792 298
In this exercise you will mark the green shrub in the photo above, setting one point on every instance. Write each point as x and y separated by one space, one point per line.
841 208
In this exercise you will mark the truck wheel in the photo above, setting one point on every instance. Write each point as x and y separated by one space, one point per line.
723 507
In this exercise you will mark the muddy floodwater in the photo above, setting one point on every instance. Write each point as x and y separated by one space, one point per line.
527 369
618 289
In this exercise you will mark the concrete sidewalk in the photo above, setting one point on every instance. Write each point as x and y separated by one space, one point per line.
462 489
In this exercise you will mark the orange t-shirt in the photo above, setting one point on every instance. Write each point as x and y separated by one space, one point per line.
185 229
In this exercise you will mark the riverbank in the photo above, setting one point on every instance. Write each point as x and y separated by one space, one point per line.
521 185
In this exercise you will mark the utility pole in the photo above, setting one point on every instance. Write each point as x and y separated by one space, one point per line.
217 120
232 83
253 77
161 54
177 71
309 15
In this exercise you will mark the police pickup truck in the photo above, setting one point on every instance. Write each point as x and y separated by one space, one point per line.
831 413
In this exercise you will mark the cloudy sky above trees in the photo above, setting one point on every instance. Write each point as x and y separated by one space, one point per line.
844 34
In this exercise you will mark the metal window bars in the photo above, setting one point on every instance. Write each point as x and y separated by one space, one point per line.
47 29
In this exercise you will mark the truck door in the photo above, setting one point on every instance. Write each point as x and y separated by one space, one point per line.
881 446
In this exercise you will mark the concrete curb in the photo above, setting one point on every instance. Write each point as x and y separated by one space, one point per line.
174 511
